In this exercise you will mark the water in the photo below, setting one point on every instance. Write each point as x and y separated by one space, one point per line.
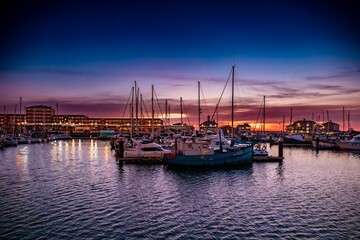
76 189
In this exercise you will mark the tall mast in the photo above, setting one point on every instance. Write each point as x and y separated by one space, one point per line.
181 111
14 121
264 116
20 115
152 111
232 104
169 116
283 128
291 115
199 103
4 117
166 112
132 112
57 117
343 119
141 113
137 109
328 121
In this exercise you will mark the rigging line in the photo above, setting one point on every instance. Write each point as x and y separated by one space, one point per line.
127 103
161 114
207 109
187 116
257 118
217 105
147 114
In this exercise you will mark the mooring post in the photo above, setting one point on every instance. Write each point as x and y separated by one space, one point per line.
120 152
281 154
317 142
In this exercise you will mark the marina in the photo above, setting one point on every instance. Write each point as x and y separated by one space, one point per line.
179 119
66 189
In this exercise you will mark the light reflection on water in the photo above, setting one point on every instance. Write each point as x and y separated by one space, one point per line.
76 188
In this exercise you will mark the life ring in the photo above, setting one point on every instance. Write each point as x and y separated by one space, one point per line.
263 148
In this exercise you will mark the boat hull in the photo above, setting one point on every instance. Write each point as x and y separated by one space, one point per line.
349 145
241 156
324 145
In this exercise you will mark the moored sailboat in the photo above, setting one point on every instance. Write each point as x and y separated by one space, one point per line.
201 152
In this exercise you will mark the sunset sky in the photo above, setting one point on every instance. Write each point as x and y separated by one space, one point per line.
86 55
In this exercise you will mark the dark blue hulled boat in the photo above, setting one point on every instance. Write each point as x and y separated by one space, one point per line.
200 152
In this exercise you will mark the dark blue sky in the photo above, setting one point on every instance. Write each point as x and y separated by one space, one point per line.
65 51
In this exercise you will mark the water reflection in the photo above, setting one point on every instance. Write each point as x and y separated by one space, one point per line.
309 195
22 159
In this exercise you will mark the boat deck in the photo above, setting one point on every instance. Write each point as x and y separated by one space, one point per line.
144 160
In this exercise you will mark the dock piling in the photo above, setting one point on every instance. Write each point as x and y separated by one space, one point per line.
120 148
281 146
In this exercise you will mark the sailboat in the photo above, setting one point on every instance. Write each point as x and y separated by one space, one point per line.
200 152
260 148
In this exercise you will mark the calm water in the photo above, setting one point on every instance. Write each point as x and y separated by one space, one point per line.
76 189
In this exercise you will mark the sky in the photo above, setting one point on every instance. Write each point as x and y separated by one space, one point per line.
86 56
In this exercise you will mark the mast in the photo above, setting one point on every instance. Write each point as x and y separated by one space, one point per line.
199 110
291 116
181 111
328 121
136 109
57 117
343 119
132 112
283 128
20 115
4 117
264 116
166 112
141 113
232 104
152 111
14 121
169 116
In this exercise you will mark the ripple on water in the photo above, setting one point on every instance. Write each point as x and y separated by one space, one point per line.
68 190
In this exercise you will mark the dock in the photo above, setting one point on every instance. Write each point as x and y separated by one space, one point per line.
267 159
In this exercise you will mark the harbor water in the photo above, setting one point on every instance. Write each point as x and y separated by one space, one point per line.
77 190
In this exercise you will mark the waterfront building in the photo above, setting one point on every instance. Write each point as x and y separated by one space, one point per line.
303 126
43 118
241 128
309 127
39 114
331 127
226 129
208 124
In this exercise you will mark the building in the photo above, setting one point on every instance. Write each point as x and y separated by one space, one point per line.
39 114
227 130
11 122
43 118
208 124
331 127
243 128
302 126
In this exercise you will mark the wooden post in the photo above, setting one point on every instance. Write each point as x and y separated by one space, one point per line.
281 154
317 142
120 150
176 147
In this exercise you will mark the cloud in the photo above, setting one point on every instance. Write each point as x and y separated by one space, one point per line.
343 74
